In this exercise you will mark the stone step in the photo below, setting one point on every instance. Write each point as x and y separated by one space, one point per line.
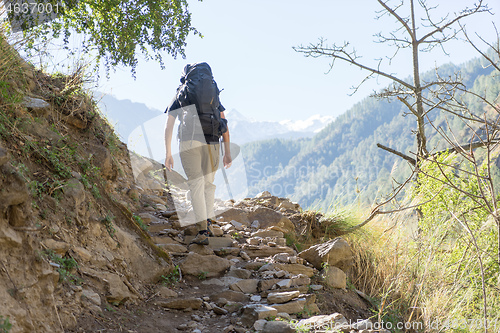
157 227
173 248
214 242
302 289
226 251
263 251
163 240
294 269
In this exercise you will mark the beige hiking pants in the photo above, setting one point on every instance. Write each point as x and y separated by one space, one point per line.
200 161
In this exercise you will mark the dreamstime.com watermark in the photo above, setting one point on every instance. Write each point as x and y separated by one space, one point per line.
469 325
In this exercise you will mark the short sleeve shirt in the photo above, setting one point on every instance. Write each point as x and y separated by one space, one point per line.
174 109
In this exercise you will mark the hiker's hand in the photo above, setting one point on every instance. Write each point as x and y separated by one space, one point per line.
169 162
227 160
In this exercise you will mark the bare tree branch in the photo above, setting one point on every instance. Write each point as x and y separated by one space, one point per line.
479 8
484 55
469 146
340 52
395 152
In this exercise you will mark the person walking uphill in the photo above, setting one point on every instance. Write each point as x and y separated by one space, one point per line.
202 124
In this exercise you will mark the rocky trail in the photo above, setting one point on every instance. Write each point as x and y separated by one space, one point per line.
246 280
91 239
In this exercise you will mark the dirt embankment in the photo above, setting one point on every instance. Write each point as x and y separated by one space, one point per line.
68 238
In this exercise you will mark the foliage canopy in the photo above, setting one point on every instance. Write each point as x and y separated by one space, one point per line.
119 30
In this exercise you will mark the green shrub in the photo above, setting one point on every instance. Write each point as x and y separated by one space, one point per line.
5 326
173 277
65 266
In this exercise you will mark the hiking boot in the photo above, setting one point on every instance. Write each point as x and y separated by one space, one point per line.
209 228
201 238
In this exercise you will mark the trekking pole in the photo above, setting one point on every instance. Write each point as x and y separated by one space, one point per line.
224 174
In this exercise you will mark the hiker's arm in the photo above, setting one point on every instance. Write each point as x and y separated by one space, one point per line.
227 160
169 129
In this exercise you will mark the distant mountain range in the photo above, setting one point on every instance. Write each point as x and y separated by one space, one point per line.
341 164
123 114
142 127
245 129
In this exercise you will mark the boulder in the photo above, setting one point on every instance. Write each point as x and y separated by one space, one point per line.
247 286
58 247
237 225
224 281
335 252
230 295
82 254
296 269
278 327
219 311
9 236
288 205
253 312
268 218
334 277
268 233
117 289
282 297
14 191
212 265
239 273
218 232
227 251
166 292
259 325
263 251
104 161
301 280
35 104
263 194
267 284
291 307
325 321
182 303
91 296
176 248
200 249
236 214
286 283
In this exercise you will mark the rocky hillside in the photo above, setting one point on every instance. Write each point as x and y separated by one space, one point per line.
68 239
90 241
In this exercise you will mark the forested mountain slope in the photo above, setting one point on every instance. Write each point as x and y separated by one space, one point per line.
342 163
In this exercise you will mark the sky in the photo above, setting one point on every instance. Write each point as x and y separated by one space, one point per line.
249 47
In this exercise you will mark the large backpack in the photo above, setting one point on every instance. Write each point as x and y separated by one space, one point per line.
199 89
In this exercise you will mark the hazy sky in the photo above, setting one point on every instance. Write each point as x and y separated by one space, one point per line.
249 46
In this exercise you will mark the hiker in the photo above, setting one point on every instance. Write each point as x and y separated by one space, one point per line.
202 123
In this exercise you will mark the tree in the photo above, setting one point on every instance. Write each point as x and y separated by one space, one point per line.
118 30
419 97
459 174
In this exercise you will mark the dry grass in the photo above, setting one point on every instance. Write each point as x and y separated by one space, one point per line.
16 75
411 280
415 281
